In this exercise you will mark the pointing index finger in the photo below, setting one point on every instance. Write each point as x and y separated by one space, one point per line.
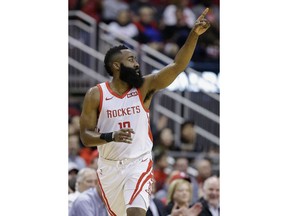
203 14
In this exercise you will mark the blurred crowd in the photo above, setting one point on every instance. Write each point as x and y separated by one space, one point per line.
161 24
181 183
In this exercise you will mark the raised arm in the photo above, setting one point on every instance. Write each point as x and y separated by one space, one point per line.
168 74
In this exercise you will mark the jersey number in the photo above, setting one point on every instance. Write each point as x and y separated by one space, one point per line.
124 124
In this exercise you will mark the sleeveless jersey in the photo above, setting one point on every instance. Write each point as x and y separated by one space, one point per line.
123 111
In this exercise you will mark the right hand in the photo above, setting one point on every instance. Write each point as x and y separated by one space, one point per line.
124 135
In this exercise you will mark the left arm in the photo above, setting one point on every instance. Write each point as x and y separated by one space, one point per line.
168 74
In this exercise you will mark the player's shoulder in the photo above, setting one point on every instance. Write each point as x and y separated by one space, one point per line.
93 89
93 92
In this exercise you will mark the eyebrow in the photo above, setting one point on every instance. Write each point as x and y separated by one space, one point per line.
132 56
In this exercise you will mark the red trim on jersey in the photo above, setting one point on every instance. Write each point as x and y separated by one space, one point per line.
141 99
149 129
114 93
150 133
138 189
101 97
105 198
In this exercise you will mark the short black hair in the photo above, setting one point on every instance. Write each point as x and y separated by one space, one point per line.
108 57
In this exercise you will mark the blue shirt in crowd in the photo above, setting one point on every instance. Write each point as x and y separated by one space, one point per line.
88 203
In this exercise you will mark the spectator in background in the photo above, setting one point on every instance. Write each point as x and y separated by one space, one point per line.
188 137
179 199
111 9
135 7
175 174
204 168
89 203
71 129
74 129
164 141
170 14
74 121
160 165
160 5
86 179
74 125
149 32
72 175
178 19
182 164
73 151
214 157
123 25
179 193
70 190
72 170
211 197
71 185
161 123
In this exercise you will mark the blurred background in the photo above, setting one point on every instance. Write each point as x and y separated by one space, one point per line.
184 116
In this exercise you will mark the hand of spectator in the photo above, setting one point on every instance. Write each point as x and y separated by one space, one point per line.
184 211
175 211
194 210
201 24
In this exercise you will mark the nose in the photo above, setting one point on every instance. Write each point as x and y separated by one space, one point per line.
136 65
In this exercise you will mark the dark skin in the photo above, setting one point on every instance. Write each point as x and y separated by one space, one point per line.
152 84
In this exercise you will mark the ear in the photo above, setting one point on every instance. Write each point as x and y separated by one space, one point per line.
116 66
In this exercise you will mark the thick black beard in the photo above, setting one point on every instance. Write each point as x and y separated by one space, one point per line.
130 76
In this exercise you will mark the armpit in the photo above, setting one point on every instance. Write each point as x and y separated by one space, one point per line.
149 95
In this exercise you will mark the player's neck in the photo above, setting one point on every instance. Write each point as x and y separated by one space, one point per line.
119 86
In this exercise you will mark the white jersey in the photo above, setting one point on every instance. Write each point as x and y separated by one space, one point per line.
123 111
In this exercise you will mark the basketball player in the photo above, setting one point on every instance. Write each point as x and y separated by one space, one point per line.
115 118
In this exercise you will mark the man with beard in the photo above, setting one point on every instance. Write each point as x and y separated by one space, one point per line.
115 118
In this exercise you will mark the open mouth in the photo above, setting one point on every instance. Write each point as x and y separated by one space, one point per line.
137 71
